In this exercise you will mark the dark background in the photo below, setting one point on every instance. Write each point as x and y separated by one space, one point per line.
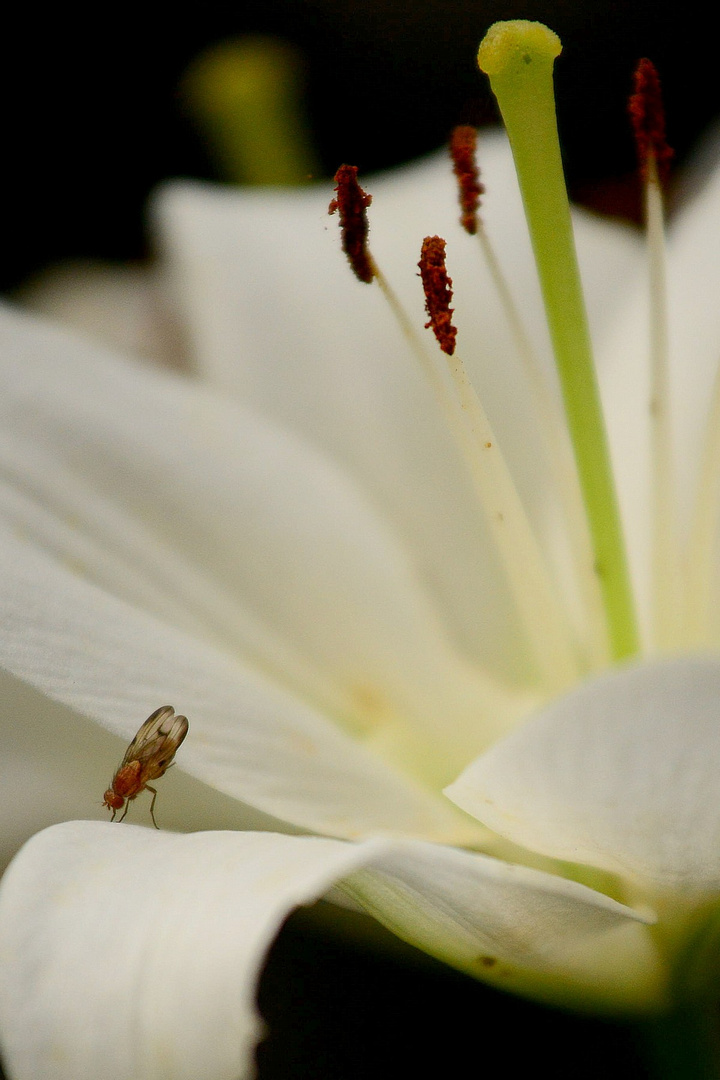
343 1008
92 121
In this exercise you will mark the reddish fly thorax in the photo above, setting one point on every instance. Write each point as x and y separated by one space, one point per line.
148 756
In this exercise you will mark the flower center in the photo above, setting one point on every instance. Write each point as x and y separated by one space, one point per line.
579 616
518 57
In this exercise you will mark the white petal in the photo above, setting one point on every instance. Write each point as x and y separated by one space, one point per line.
620 774
521 929
128 954
113 663
245 526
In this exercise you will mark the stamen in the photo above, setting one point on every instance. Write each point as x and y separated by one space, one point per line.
463 141
648 120
518 57
654 155
351 204
533 590
549 634
354 209
438 292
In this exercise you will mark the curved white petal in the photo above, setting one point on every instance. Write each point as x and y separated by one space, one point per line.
250 739
128 954
133 477
620 774
521 929
276 316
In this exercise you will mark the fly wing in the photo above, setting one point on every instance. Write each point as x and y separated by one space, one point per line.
157 741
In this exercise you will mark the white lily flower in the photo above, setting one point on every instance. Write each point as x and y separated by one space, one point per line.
289 547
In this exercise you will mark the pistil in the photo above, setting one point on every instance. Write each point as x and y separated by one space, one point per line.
518 57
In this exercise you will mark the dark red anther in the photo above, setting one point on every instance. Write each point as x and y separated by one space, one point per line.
352 203
463 142
438 292
648 120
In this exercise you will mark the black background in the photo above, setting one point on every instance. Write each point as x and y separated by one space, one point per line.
92 121
340 1008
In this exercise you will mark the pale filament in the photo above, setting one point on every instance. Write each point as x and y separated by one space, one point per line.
666 565
552 427
535 594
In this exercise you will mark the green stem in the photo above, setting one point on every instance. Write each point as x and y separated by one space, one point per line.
518 58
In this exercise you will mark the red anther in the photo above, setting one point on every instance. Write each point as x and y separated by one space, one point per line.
438 292
463 141
648 120
352 203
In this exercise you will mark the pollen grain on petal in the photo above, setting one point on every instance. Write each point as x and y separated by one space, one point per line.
438 292
647 116
351 204
463 142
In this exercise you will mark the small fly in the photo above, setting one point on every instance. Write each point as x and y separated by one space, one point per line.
148 756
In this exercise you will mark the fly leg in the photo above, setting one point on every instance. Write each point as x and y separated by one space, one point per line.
152 806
